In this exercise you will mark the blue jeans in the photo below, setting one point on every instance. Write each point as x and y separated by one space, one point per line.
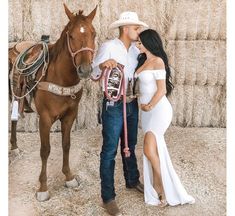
112 122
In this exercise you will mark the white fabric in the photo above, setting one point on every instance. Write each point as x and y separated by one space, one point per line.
157 121
115 49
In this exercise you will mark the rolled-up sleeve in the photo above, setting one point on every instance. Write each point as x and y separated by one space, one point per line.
102 55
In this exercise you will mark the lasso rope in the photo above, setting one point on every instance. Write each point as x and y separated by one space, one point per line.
27 69
106 73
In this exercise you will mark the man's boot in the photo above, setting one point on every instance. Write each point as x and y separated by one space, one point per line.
112 208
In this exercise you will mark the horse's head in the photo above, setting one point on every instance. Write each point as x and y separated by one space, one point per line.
81 41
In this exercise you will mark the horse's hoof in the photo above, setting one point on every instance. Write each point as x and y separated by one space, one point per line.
42 196
15 152
72 184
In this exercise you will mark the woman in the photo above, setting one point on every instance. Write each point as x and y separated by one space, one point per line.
162 185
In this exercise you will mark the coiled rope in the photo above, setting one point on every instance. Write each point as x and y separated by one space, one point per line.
27 69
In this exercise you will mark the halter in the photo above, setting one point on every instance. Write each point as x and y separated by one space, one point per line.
73 54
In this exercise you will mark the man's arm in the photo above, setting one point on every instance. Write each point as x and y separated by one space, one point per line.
102 60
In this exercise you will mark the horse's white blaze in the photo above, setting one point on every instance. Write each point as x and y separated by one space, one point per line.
82 29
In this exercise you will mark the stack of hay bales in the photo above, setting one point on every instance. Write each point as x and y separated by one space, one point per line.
194 36
196 45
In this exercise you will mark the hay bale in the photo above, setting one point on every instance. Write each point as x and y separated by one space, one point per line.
223 25
177 50
179 20
203 100
199 106
218 20
182 104
27 25
15 20
222 111
88 107
45 17
151 12
29 123
198 62
197 20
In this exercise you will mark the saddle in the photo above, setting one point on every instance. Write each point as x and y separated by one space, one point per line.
23 75
22 46
32 54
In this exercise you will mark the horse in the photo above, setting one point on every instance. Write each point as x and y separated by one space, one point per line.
70 59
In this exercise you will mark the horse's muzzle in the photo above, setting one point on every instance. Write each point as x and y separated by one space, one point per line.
84 71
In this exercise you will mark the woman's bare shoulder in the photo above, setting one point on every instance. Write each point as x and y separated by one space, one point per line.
158 63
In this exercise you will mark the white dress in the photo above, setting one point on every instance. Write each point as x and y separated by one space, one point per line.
157 121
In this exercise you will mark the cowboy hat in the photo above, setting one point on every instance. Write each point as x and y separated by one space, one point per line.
127 18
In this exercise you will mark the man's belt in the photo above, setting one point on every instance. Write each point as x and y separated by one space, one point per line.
128 98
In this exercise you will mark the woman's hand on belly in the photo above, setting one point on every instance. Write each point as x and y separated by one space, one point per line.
146 107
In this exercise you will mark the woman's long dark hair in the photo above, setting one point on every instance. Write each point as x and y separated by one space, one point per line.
153 43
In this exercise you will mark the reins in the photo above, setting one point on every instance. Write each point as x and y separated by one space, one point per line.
106 73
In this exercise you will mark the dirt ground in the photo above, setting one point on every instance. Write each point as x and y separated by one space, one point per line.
198 155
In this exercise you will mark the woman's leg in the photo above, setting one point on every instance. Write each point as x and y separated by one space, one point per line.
151 152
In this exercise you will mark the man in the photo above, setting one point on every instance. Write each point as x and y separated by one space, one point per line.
119 50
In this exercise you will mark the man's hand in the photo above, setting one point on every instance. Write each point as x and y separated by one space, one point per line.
110 64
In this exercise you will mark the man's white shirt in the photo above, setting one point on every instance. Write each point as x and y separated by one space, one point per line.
115 49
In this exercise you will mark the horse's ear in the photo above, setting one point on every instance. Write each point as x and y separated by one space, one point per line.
92 14
68 12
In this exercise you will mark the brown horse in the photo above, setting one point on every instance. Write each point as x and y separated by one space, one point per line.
70 61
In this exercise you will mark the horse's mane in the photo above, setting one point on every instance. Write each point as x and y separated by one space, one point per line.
59 45
79 13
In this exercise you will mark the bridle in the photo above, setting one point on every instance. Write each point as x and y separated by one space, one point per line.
73 54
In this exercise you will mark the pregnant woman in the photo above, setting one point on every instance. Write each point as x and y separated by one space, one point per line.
162 185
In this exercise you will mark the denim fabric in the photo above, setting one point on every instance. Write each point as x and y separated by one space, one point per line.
112 130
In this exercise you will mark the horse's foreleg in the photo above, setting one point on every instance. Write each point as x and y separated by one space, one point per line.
13 139
66 125
44 128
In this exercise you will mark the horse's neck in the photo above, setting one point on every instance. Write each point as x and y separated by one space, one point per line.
61 63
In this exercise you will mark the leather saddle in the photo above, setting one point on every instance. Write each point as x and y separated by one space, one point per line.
20 84
23 45
33 53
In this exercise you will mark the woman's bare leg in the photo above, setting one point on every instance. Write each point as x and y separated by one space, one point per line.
151 152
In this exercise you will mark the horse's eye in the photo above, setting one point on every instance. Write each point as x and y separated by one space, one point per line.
71 37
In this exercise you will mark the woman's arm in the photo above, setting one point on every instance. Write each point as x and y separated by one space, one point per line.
161 91
160 76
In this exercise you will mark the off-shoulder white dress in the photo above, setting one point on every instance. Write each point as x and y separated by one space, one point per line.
157 121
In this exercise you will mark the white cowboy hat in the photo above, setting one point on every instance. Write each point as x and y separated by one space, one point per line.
127 18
